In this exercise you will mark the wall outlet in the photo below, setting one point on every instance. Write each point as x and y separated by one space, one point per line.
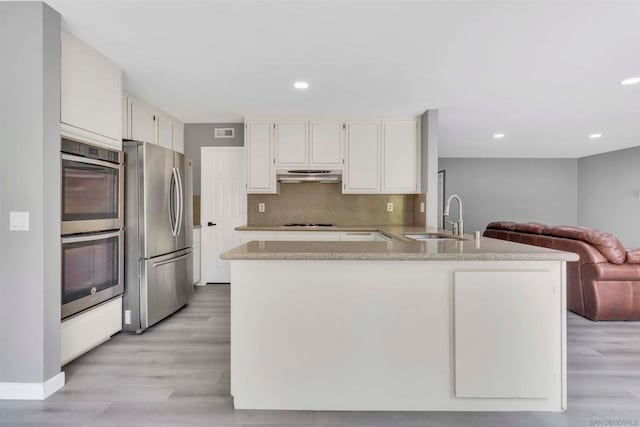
127 317
421 207
389 207
261 208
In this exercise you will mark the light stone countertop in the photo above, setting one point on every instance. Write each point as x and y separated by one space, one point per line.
398 248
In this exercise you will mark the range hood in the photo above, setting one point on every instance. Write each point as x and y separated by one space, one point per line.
297 176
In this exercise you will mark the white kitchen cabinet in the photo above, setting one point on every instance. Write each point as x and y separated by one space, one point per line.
178 137
494 347
291 144
400 157
196 256
91 94
325 143
164 136
142 121
260 158
362 158
149 124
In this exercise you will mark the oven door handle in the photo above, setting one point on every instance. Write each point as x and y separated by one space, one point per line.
90 161
91 237
172 260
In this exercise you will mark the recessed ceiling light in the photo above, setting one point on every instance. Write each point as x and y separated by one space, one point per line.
595 135
498 135
630 81
301 85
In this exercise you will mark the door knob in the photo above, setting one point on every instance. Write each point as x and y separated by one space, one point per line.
210 224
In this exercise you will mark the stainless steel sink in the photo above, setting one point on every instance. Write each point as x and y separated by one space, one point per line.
429 236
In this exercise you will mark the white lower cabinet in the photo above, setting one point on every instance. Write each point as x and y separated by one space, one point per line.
89 329
196 256
503 319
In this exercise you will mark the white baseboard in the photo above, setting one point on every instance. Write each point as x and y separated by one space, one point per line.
31 391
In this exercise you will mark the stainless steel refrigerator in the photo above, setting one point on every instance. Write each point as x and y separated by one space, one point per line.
158 234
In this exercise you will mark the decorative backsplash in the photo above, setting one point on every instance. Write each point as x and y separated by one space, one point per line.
325 203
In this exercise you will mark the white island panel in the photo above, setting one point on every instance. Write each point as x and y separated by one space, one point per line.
366 335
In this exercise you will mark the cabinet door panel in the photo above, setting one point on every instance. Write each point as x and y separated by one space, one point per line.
325 143
400 157
143 121
91 90
178 137
363 158
291 143
504 334
165 132
260 178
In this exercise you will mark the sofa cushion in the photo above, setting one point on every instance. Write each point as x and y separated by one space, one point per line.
530 227
606 243
501 225
633 256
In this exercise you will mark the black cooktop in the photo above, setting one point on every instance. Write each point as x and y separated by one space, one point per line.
308 225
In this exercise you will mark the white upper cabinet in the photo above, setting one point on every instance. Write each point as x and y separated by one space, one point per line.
362 158
376 156
149 124
178 137
291 142
325 143
91 94
400 154
260 160
165 132
142 120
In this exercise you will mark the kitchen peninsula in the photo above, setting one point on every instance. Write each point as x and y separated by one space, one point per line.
444 325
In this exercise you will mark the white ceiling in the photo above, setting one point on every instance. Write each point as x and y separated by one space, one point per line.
544 73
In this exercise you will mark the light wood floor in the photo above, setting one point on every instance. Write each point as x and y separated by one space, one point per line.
177 373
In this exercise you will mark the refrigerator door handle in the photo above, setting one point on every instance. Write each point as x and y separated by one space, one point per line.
172 260
180 203
173 214
170 204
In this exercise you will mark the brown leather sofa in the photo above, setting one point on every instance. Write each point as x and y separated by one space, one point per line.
604 284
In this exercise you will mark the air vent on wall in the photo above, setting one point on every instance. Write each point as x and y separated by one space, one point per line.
224 133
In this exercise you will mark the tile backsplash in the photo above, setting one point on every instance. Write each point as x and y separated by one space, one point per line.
325 203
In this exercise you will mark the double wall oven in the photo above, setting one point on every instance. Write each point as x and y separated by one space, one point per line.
92 225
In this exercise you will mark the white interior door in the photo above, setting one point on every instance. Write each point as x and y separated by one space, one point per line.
223 208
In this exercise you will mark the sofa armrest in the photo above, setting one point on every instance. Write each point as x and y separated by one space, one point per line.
607 271
633 256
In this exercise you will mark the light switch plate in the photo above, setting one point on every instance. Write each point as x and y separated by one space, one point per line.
19 221
421 207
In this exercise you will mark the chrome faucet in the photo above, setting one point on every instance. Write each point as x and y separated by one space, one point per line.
458 227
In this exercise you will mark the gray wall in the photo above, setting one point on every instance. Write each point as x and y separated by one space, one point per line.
543 190
609 194
30 181
198 135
